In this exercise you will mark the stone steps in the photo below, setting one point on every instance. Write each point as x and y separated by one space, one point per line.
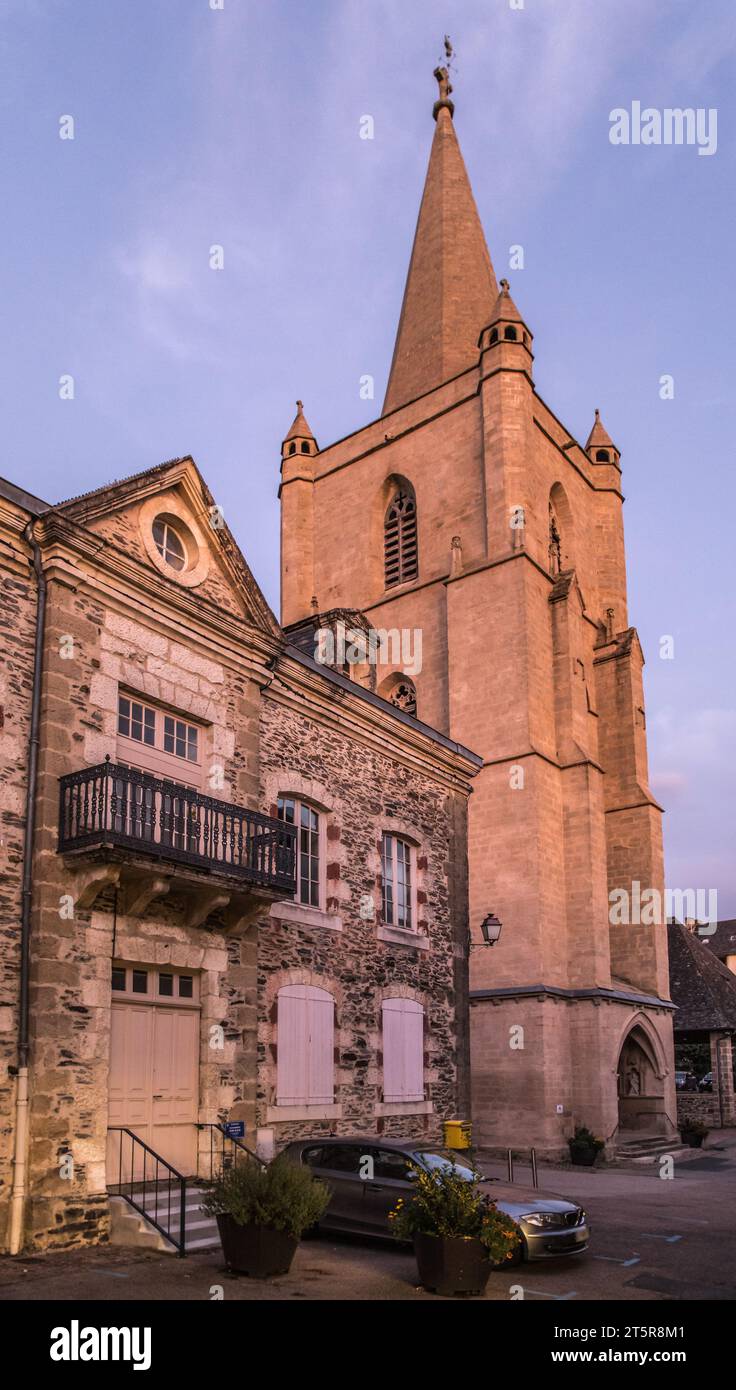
648 1149
130 1227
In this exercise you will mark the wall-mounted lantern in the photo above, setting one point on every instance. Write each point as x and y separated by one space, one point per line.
490 930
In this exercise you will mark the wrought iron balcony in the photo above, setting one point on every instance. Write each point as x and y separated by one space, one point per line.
113 806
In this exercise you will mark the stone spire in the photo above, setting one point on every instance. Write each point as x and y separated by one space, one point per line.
600 443
300 438
450 288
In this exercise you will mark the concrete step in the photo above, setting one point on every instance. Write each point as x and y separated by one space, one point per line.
655 1141
643 1152
130 1227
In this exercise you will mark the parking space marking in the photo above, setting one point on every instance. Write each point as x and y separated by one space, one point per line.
650 1235
635 1260
559 1297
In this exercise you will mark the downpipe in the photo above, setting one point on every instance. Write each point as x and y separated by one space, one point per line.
20 1163
20 1150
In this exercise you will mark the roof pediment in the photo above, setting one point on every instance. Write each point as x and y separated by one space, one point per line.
123 512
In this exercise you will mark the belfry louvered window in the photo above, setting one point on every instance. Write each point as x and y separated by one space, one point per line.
400 539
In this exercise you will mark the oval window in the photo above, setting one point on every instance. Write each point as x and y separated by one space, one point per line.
169 544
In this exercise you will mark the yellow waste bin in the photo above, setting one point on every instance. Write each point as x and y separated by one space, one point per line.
457 1134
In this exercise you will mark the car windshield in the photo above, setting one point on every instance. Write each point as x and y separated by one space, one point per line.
441 1158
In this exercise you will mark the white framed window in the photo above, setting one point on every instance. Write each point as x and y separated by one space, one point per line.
169 543
181 739
398 872
157 742
305 1043
154 985
136 721
403 1050
309 849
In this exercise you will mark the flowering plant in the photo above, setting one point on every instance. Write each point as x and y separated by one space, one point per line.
446 1204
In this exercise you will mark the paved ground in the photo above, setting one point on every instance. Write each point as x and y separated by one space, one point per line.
653 1239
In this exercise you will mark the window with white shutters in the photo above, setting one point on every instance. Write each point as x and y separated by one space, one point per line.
403 1050
305 1063
400 554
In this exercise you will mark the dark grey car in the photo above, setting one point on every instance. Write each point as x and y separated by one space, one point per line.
366 1177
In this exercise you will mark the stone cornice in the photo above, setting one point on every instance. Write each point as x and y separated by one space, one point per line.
12 517
553 762
595 993
399 592
65 543
319 695
635 806
137 593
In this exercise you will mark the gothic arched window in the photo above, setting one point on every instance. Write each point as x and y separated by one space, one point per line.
400 556
555 544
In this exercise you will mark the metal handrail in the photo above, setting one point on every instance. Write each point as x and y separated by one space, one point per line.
135 1184
230 1160
110 804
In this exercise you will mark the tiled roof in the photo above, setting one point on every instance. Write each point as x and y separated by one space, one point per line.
22 498
703 989
722 941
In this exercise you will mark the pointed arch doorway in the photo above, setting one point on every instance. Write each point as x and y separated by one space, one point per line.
641 1076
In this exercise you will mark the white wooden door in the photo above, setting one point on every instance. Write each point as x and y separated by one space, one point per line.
154 1086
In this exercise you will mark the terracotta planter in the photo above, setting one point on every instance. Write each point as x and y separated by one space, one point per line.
259 1251
451 1265
583 1158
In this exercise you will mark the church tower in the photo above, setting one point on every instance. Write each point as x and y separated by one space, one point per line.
470 514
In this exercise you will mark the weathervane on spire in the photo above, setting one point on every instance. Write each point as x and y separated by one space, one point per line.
442 76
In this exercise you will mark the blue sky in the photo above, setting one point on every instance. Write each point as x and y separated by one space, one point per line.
240 127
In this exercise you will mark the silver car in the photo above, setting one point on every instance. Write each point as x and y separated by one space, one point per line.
367 1176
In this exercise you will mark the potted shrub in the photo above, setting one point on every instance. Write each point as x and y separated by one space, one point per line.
262 1210
693 1132
584 1147
459 1234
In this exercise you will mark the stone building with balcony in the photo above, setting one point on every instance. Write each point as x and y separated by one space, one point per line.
197 818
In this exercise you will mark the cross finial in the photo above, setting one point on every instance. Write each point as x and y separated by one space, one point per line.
442 76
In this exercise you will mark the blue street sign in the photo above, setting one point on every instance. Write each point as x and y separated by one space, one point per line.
235 1129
